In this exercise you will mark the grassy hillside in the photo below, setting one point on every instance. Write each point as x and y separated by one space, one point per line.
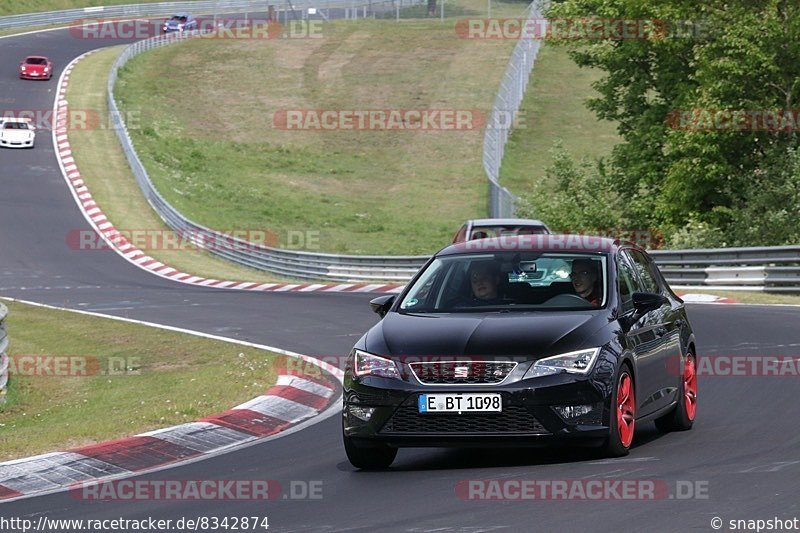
208 135
554 110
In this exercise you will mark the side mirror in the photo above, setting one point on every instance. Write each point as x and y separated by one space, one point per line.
644 302
381 304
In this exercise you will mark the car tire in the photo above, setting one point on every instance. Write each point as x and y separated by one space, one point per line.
681 418
374 457
623 415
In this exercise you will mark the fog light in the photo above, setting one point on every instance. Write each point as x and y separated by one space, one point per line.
362 413
569 412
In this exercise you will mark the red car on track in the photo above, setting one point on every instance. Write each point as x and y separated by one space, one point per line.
36 68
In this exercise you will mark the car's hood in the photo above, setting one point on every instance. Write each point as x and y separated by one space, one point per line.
532 335
16 135
35 68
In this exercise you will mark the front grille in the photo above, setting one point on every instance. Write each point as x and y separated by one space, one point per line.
513 419
462 372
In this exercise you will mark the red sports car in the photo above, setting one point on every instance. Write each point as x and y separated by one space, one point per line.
36 68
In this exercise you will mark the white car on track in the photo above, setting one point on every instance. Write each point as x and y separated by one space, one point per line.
16 133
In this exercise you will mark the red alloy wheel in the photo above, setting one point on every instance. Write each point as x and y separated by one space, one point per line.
626 409
690 387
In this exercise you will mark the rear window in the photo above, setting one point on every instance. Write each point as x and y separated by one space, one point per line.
484 232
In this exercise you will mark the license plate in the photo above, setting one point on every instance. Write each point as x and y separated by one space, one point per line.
460 403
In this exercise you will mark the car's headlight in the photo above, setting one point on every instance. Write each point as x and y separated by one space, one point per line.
366 364
579 362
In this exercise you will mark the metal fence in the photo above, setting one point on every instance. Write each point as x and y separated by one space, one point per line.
506 104
3 354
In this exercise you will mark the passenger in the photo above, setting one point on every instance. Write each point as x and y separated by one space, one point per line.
584 280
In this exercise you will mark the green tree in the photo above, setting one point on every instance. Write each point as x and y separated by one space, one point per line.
675 166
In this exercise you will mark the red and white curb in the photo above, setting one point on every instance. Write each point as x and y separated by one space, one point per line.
298 398
116 241
700 298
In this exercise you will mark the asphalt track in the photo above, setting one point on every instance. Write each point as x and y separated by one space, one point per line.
745 447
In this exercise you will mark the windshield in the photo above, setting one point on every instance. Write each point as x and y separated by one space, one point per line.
15 126
483 232
510 281
36 61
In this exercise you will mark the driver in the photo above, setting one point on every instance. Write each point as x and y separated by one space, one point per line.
484 278
584 278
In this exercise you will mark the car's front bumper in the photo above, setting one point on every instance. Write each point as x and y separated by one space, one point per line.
16 144
529 415
31 76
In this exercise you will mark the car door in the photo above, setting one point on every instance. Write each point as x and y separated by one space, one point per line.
641 339
671 318
661 330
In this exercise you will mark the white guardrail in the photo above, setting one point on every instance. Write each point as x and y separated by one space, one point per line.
766 268
3 353
770 269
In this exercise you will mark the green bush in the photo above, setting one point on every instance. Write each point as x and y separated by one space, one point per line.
696 234
573 196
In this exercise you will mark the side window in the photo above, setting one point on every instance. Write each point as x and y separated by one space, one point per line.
453 285
422 295
645 273
461 234
626 283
